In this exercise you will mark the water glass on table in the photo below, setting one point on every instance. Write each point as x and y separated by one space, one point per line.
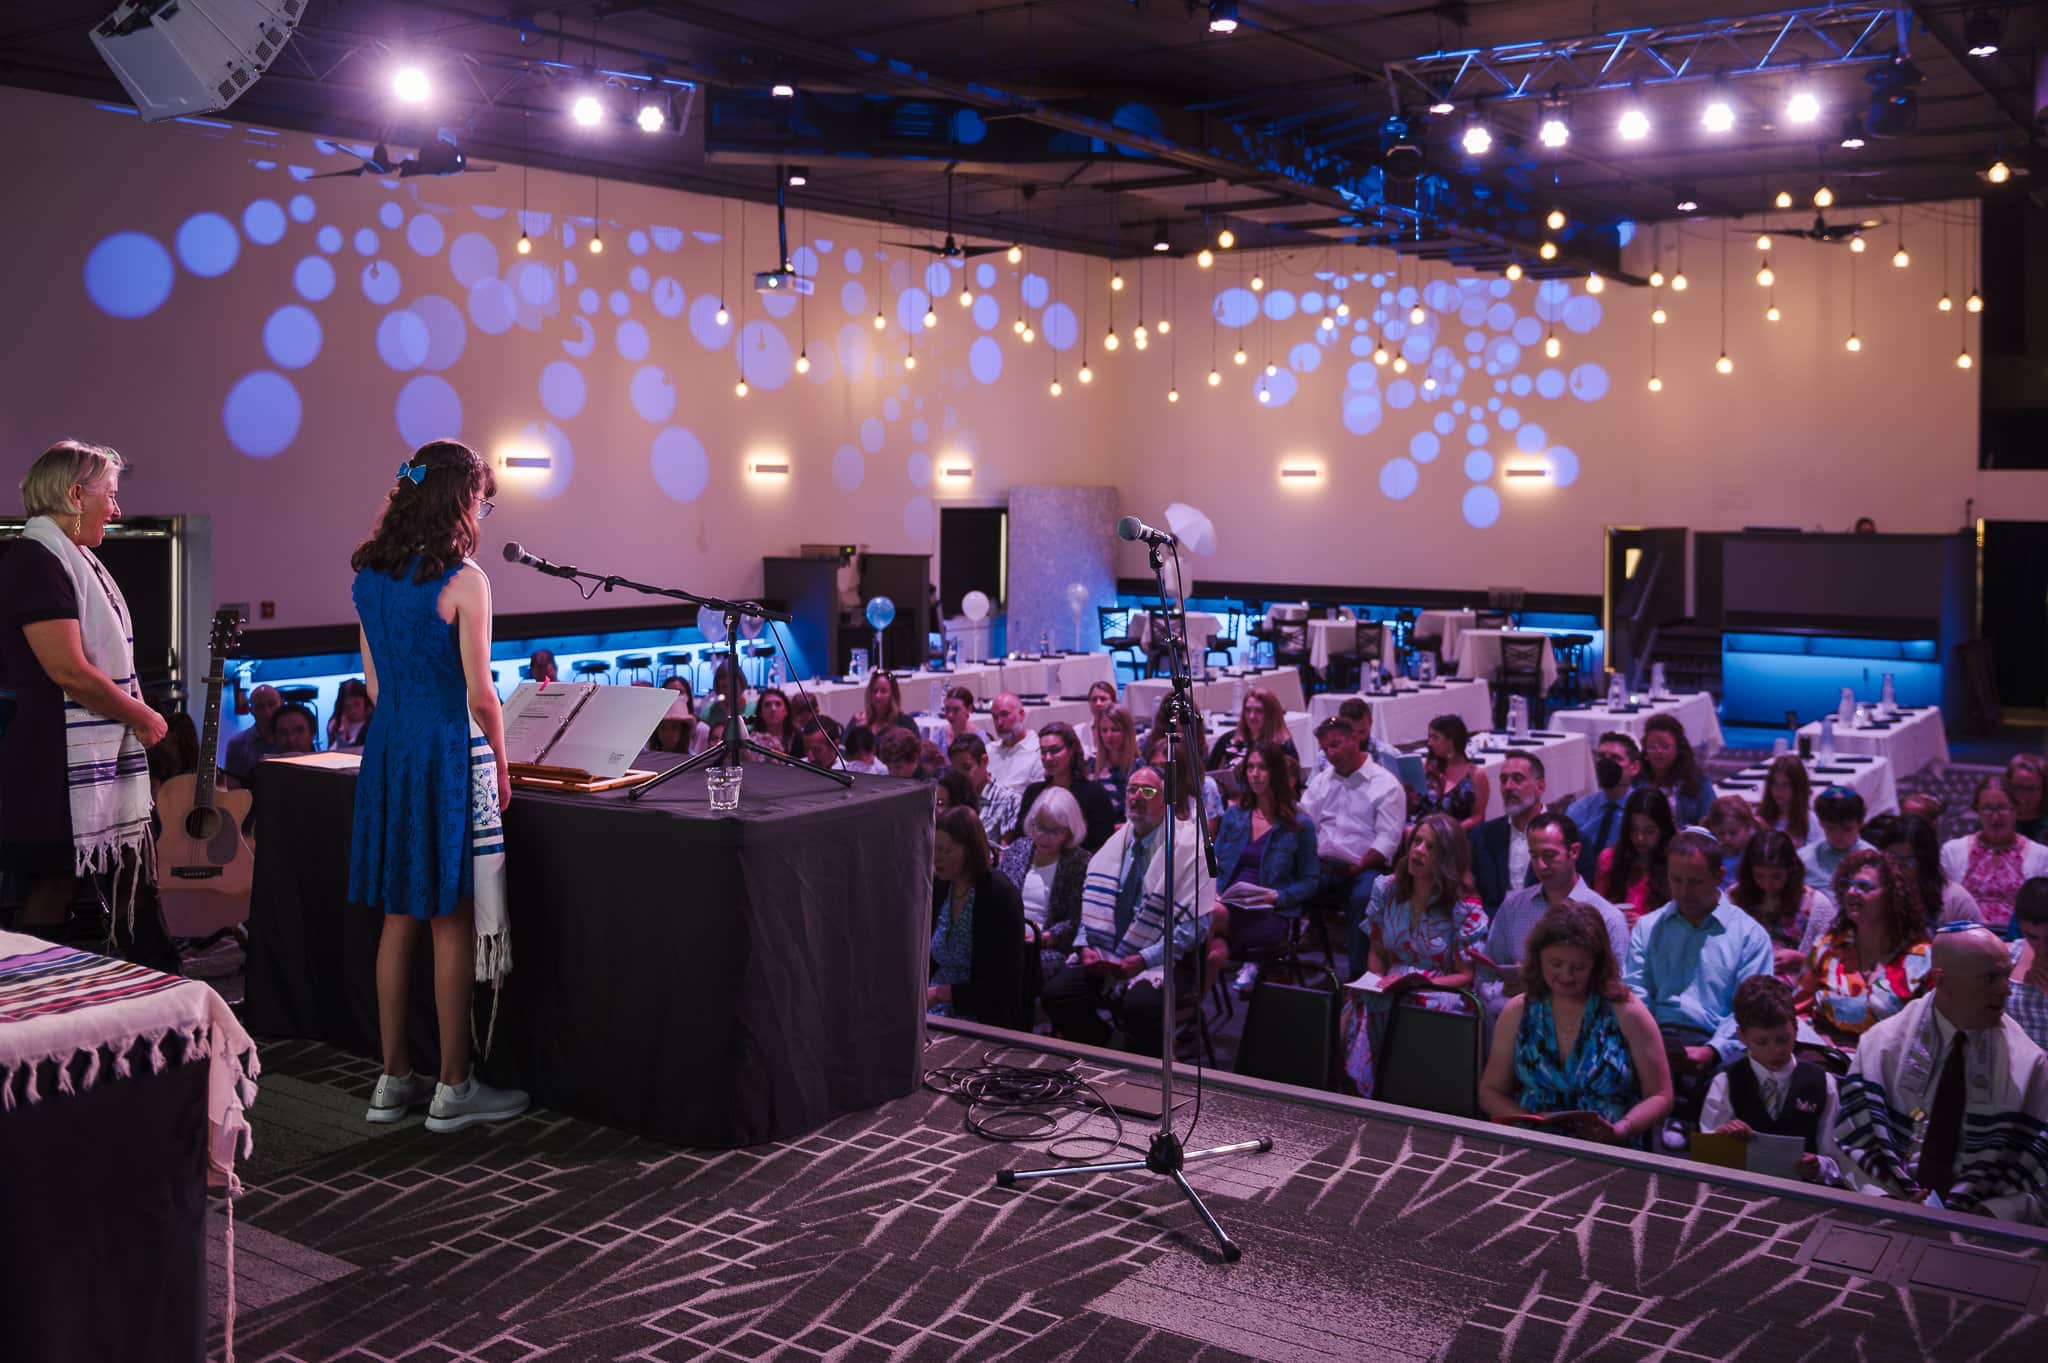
724 785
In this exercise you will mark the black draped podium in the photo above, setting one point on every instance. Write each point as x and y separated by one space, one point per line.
709 981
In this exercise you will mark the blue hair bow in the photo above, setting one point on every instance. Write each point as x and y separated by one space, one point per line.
416 472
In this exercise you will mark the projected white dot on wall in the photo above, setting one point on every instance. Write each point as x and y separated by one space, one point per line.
261 414
129 274
681 468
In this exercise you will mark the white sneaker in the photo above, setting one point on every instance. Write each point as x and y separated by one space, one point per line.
396 1095
1247 976
473 1101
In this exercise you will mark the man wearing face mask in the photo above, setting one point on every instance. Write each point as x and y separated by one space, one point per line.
1598 814
1946 1101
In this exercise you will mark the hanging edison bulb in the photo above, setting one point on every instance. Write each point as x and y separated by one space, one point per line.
1258 283
1974 303
1226 239
803 362
1429 384
525 244
909 360
1656 279
1400 364
1552 346
1656 384
1963 361
1556 220
1173 395
1679 282
1379 354
1659 316
740 389
1771 313
1086 375
1548 250
1766 276
1784 199
1763 241
1823 197
1205 257
966 297
1109 340
1724 365
1116 281
1513 271
1214 378
1858 244
1165 325
1271 369
1343 309
879 322
1853 344
1030 335
1055 389
1900 260
1416 314
1595 283
722 316
1264 395
1329 322
1018 326
1016 254
1944 304
931 318
1139 336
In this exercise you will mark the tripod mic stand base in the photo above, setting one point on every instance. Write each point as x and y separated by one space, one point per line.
1167 1158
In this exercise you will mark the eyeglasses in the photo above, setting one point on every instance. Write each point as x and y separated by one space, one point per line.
483 509
1143 792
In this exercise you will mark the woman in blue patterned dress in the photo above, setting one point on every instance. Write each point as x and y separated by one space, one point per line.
1576 1040
1458 786
428 847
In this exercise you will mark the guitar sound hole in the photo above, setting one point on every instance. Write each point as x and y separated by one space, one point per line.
202 824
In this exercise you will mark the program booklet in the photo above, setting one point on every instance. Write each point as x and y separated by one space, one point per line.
582 726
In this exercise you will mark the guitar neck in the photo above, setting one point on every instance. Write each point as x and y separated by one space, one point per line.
209 739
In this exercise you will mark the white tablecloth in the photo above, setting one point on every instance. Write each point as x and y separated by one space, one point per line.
1074 712
1695 715
1479 653
1917 741
1201 625
843 700
1567 765
1446 624
1300 728
1066 676
1216 693
1336 638
1870 777
1404 716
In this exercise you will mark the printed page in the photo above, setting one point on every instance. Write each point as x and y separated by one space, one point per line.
609 729
535 715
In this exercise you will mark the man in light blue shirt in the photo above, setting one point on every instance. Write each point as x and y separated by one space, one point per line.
1839 811
1599 813
1685 961
1553 857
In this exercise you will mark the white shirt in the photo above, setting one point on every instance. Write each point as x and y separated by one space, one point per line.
1036 891
1518 854
1363 812
1016 765
1717 1111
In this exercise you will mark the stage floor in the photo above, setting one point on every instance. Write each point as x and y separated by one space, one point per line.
880 1236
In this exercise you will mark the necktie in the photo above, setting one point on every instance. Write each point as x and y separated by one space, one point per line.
1937 1168
1771 1095
1606 825
1132 889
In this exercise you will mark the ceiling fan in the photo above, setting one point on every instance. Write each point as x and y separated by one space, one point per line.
1823 230
436 158
952 250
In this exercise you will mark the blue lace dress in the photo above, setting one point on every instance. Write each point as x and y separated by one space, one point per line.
953 949
413 829
1599 1077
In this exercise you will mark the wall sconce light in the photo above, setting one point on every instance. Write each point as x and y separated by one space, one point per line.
534 457
1299 475
960 472
769 468
1529 471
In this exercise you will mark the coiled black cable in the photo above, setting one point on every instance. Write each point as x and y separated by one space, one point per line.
1009 1103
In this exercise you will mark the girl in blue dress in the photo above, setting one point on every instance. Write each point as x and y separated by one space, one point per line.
428 847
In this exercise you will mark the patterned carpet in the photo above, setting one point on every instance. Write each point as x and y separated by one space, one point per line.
881 1237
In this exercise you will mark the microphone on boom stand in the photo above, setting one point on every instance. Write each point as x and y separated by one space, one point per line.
515 552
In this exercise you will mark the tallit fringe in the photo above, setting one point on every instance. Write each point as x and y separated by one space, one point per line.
202 1043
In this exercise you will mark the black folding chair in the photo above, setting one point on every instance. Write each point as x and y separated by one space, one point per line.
1115 624
1430 1060
1520 674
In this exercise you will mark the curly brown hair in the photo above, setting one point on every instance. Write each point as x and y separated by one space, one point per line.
430 521
1578 925
1907 922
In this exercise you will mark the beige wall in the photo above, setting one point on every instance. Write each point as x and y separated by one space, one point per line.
1802 433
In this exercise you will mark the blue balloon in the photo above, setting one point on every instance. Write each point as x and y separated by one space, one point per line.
881 610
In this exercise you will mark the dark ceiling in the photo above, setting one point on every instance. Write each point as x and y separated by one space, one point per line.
1092 125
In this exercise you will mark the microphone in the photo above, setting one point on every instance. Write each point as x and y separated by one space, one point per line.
1131 528
515 552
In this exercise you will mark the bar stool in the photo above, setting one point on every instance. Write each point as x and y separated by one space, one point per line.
673 664
308 696
630 663
593 670
758 652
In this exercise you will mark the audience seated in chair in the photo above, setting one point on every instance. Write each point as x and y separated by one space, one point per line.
1266 865
1616 764
1458 786
774 722
1839 811
900 753
1788 800
1125 911
1914 843
1631 873
1359 809
1101 695
1262 718
1733 823
1191 750
2023 779
1771 887
541 666
884 709
1770 1093
958 711
2028 1003
256 742
857 748
998 804
1576 1041
1500 850
1354 709
292 730
1874 959
1421 930
821 739
1685 961
1049 867
951 790
1064 765
350 724
1014 756
679 731
1116 754
1554 861
980 965
1669 766
1982 1087
1993 862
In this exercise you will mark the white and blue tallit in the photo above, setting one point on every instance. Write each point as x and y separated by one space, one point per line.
106 771
487 869
2002 1160
1194 895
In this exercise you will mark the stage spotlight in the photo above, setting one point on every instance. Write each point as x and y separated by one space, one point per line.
1803 107
588 110
1852 131
1442 107
1980 33
1718 116
1687 202
1554 129
782 89
1223 16
1401 151
1999 173
1477 139
409 85
1634 126
1159 241
1894 100
652 118
799 176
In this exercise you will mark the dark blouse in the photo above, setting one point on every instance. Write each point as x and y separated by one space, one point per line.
35 815
1096 810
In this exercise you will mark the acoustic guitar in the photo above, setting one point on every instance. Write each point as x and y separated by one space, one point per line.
201 846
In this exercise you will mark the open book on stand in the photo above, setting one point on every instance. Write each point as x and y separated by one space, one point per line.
577 734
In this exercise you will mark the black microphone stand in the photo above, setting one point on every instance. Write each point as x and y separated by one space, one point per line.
733 745
1166 1155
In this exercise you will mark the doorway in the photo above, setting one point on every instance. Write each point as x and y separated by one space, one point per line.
2014 569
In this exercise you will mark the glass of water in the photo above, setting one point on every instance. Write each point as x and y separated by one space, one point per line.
724 784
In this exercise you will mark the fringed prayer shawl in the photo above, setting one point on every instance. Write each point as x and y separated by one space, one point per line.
106 770
88 1013
1148 923
2002 1162
487 869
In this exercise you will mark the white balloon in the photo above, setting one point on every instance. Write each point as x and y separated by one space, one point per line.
975 605
1078 597
711 625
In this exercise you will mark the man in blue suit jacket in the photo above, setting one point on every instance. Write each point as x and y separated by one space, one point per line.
1500 847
